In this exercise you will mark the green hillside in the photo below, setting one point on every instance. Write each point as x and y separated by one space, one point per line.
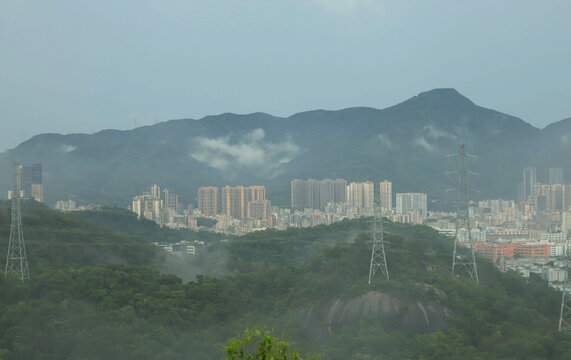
97 293
126 221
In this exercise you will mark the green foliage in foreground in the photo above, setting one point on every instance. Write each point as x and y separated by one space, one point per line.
257 344
95 293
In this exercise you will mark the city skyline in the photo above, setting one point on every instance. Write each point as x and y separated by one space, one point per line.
527 237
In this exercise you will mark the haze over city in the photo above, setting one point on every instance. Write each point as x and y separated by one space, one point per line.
86 66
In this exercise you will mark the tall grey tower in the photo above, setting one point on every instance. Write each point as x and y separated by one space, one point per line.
16 260
460 261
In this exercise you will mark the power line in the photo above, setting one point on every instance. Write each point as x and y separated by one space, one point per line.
16 260
378 258
460 261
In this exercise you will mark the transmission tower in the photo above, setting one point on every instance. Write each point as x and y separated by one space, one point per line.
378 258
16 260
460 261
565 316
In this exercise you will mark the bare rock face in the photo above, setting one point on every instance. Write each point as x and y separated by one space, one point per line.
394 312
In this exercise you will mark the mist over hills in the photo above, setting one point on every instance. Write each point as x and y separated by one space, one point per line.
99 289
407 143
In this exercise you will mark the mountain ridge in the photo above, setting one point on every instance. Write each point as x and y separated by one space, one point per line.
431 94
406 143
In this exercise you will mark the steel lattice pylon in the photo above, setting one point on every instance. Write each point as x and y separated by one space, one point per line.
378 258
565 316
460 261
16 260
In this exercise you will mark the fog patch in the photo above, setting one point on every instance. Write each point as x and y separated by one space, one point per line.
421 142
385 141
251 152
209 261
433 132
65 148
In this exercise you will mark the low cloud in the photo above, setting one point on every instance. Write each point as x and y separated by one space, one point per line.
385 141
433 132
421 141
65 148
250 153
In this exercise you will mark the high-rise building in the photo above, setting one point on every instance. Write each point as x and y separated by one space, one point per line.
548 197
340 190
313 200
299 194
304 194
566 222
160 207
156 191
316 194
386 196
554 175
148 207
566 195
326 192
208 200
256 193
361 195
529 181
259 209
235 199
407 202
170 200
30 182
137 205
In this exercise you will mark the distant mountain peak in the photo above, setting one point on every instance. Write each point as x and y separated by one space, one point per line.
444 95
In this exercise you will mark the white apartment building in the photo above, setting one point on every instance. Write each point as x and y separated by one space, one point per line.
552 237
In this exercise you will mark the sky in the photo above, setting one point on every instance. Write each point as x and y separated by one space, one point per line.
84 66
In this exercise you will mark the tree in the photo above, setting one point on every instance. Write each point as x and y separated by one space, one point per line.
260 344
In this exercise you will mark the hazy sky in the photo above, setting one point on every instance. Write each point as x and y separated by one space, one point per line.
84 65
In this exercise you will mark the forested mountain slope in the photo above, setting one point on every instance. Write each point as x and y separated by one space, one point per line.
97 293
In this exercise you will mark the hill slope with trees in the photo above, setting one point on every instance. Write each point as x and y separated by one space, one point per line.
97 293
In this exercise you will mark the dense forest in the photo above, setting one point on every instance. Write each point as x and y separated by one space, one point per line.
99 289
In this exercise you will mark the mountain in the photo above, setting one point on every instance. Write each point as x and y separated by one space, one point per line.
408 143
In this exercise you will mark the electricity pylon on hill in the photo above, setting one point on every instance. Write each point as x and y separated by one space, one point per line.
378 257
565 316
460 261
16 260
